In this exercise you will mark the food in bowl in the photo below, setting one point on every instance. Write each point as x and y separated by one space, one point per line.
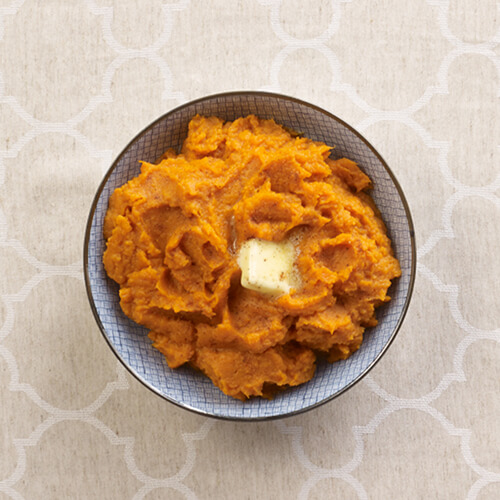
250 254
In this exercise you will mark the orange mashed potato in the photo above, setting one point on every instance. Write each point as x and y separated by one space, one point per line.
173 235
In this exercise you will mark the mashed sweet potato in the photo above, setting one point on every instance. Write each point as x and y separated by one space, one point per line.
173 235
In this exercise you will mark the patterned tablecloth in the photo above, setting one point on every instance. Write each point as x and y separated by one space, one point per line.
420 79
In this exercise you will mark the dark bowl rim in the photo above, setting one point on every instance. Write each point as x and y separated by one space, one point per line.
256 93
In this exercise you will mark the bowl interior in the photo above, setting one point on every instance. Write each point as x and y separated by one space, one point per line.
184 386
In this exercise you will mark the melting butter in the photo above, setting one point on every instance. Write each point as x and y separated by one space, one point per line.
267 267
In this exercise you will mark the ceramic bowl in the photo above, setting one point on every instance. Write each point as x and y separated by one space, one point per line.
184 386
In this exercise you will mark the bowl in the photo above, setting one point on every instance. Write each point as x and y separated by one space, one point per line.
184 386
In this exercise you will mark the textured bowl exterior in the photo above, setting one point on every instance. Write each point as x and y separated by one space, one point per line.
184 386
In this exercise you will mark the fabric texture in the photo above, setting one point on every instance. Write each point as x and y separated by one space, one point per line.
420 80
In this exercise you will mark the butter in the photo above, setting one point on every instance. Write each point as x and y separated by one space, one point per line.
267 267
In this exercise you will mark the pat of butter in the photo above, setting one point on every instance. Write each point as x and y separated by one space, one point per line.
266 266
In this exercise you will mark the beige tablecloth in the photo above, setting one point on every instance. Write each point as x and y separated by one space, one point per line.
420 79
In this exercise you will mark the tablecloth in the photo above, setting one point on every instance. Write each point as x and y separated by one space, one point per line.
420 79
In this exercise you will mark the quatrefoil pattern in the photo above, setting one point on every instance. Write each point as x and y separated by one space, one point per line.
419 79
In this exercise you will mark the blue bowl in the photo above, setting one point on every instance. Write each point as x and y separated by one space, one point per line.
184 386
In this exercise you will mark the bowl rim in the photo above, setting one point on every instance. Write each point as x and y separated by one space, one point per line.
279 96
